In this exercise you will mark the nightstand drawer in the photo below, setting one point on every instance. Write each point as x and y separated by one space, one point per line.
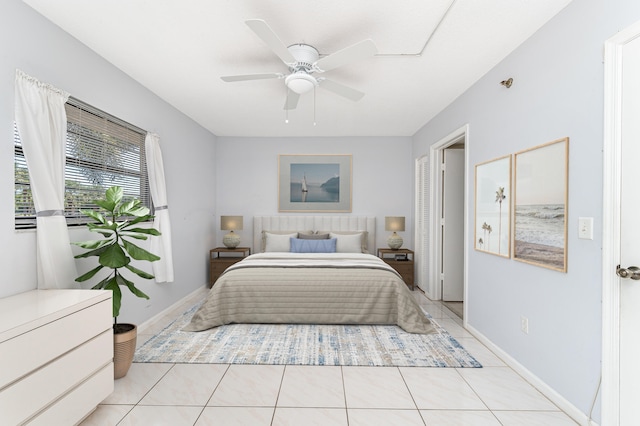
218 263
403 267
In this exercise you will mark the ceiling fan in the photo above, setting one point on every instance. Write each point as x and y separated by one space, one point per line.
303 61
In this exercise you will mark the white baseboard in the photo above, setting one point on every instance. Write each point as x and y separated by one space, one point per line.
148 323
566 406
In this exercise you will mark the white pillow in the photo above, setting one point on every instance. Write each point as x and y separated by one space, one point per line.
348 243
278 242
363 242
263 241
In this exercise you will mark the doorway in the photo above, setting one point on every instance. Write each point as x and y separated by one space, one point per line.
446 258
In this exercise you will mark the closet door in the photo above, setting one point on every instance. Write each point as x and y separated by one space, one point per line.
422 223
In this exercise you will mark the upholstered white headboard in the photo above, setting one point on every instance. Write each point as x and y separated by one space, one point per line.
314 223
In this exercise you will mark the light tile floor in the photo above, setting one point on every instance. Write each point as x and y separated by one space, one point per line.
255 395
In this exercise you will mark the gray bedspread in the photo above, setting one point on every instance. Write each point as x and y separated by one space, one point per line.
319 288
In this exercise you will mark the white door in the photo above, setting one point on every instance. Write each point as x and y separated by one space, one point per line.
621 294
630 238
453 226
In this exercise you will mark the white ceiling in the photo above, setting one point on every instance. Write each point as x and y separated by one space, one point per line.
429 53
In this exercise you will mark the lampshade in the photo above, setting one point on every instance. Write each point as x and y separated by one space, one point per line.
231 223
300 82
394 223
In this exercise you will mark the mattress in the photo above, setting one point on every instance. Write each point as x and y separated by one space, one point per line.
318 288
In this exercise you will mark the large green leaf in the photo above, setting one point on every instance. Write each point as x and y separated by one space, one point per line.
148 231
133 235
114 194
138 253
125 207
96 252
136 220
102 283
94 215
139 273
92 244
128 208
109 206
139 211
89 274
114 257
97 227
131 286
112 285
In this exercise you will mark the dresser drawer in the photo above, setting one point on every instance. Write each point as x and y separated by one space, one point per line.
29 351
36 391
69 410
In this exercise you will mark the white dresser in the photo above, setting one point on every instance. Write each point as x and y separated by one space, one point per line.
56 355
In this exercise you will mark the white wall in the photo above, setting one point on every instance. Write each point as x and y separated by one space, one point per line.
247 177
557 92
33 44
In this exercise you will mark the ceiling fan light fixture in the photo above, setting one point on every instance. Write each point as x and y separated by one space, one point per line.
300 82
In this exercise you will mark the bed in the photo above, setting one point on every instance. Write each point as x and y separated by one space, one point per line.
314 270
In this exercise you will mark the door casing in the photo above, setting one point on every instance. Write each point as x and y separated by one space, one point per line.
435 205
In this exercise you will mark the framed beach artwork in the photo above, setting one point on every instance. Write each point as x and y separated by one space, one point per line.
314 183
541 191
493 207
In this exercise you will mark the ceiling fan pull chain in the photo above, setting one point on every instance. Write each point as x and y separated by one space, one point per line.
286 111
314 105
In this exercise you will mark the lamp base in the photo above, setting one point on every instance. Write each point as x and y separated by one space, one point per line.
394 241
231 240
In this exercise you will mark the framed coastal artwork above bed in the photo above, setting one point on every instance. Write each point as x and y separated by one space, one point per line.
541 194
493 206
314 183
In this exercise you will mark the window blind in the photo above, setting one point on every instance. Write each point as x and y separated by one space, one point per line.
101 151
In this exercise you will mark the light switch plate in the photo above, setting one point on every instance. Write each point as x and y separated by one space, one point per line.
585 228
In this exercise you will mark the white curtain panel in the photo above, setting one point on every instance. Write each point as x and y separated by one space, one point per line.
160 246
42 126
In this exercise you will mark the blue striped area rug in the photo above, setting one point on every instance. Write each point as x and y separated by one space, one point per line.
303 344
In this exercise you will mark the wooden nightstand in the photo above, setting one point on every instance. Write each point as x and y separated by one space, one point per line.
218 263
404 267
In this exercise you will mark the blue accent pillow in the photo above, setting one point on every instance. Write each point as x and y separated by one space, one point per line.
299 245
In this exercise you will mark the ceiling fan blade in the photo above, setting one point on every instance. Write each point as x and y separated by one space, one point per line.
292 100
362 50
341 89
267 35
231 78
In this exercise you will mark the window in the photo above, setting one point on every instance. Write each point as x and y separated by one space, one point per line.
102 151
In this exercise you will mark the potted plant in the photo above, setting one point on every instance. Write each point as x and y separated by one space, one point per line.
116 222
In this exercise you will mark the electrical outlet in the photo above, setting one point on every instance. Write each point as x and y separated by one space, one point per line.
524 324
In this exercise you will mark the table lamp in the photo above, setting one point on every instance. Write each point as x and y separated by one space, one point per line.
231 223
394 223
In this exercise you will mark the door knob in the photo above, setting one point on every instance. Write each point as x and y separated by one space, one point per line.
632 272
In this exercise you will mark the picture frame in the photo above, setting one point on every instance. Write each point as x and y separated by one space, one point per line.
492 232
540 205
314 183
